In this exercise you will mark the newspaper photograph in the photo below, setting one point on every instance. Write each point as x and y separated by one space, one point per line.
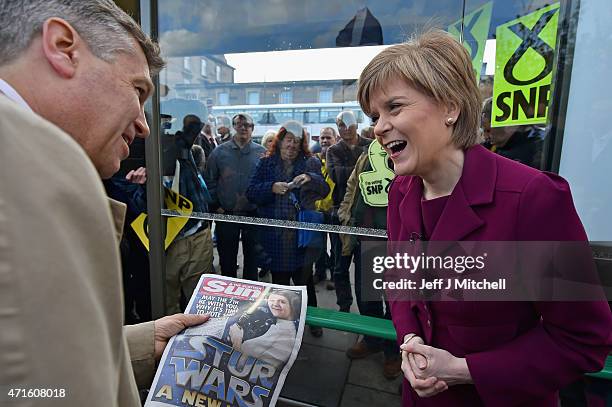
241 355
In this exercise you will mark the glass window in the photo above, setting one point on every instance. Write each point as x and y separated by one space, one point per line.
329 115
307 115
286 96
265 117
260 116
326 95
279 61
223 98
203 67
282 115
253 97
285 60
516 86
310 54
587 140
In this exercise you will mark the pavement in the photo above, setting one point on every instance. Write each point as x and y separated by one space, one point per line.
323 375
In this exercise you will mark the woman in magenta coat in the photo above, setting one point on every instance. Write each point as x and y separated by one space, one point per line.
424 102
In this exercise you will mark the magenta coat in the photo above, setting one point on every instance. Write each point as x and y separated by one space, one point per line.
518 353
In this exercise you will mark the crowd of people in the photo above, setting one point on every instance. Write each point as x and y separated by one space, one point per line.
59 234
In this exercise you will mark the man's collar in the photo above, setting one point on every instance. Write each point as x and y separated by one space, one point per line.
12 94
361 141
351 144
235 145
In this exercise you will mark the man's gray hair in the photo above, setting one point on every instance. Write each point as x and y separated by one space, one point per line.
105 28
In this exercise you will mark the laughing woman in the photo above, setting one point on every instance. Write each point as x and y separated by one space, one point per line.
422 97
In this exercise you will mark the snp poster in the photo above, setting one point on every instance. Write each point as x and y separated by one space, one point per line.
524 61
475 32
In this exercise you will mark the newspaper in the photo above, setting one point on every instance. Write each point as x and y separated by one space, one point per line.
242 355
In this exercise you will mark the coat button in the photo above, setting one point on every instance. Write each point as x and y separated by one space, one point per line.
429 323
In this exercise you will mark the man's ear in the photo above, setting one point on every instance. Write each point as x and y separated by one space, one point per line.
60 43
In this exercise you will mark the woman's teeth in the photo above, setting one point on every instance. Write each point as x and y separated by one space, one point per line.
396 146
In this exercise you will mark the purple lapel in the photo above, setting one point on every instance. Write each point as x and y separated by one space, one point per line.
475 187
410 208
458 218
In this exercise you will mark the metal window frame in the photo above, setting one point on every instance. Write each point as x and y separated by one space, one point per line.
564 57
157 269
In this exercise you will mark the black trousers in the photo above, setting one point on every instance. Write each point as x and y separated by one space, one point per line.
371 308
301 276
228 238
325 261
341 275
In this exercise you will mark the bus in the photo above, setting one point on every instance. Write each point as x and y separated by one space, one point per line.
314 116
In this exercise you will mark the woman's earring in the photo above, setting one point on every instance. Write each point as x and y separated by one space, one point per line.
450 121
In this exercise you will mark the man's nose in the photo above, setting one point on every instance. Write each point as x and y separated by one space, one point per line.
142 127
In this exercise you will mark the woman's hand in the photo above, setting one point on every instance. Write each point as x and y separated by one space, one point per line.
301 180
236 334
423 386
438 363
417 339
280 188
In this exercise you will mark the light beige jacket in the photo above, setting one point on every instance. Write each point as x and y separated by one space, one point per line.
61 309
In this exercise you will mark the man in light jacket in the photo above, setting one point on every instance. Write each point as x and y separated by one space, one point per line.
73 80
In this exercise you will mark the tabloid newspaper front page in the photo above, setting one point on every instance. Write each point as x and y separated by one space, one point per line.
242 355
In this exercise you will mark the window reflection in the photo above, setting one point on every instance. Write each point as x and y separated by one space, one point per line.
522 140
289 61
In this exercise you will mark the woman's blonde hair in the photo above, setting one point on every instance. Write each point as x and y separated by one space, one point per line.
267 135
436 65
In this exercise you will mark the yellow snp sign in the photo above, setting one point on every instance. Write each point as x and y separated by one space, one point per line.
475 32
374 184
174 201
525 50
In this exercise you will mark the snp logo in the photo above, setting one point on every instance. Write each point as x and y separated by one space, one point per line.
472 32
524 65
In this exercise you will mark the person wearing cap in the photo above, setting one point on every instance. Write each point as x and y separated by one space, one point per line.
228 171
288 176
341 160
